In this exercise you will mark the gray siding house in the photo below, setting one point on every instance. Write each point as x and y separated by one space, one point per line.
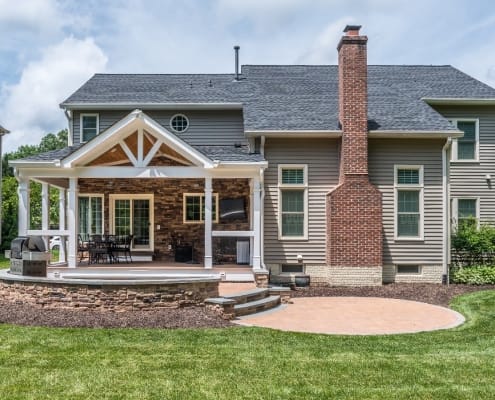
352 174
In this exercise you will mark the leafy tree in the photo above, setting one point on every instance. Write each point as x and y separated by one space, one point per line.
9 188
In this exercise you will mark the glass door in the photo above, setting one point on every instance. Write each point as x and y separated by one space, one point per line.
133 216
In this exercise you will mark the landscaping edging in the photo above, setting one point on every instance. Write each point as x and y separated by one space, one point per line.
109 296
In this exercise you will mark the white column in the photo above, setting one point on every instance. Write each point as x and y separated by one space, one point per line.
208 222
23 215
72 223
61 223
45 211
257 223
251 208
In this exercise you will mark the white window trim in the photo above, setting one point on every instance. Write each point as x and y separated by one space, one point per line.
102 208
455 208
413 187
81 125
179 115
419 273
454 158
149 197
200 195
281 187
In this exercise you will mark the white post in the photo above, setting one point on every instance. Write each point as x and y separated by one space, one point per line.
72 223
257 223
251 208
61 223
208 222
45 211
23 215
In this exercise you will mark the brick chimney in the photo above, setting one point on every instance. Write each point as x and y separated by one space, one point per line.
354 207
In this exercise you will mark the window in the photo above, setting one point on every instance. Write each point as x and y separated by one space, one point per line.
466 211
292 268
179 123
90 215
194 207
89 126
408 269
132 214
409 202
466 148
293 202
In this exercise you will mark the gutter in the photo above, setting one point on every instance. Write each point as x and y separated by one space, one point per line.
461 101
406 134
294 133
151 106
68 115
446 208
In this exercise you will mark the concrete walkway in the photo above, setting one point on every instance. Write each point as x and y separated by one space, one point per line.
355 316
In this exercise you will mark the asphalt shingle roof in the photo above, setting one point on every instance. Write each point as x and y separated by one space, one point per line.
297 97
54 154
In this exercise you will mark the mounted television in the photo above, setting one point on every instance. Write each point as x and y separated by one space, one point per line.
232 209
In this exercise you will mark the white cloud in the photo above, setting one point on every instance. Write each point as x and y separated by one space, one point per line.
30 107
323 49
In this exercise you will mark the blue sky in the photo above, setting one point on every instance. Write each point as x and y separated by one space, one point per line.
48 48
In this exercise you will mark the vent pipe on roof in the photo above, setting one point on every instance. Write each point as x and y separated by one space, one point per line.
236 49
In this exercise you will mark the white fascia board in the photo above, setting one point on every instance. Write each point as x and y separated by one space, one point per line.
393 134
462 101
177 144
294 133
88 150
151 106
33 164
241 165
185 172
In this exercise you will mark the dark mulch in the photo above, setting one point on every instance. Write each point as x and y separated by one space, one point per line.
196 317
428 293
190 317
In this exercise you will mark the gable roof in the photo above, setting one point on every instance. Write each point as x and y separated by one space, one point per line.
3 130
294 97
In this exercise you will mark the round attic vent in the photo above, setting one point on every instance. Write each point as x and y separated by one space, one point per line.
179 123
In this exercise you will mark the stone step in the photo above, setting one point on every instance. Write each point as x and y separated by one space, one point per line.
248 295
256 306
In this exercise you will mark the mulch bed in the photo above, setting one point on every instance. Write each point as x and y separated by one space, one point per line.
425 292
196 317
190 317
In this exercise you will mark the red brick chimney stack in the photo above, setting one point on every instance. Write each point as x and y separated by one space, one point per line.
354 207
353 101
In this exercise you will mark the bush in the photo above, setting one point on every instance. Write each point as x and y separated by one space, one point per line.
476 275
472 245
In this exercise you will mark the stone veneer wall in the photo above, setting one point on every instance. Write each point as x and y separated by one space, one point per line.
168 208
115 297
429 274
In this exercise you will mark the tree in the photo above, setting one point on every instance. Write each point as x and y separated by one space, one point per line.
9 188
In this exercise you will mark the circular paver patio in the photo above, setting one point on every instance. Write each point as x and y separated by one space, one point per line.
355 316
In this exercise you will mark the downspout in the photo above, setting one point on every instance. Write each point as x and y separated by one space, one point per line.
262 183
68 115
446 208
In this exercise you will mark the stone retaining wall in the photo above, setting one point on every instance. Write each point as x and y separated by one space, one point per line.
111 297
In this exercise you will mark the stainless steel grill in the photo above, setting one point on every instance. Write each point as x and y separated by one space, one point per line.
28 256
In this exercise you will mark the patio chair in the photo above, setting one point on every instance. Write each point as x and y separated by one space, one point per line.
98 250
82 248
122 246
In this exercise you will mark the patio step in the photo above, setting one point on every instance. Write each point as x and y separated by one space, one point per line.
256 306
248 295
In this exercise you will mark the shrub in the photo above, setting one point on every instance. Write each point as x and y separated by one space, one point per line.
473 245
475 275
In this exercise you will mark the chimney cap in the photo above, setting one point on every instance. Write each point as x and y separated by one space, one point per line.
237 47
352 28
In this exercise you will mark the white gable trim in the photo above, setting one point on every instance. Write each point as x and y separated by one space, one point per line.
135 121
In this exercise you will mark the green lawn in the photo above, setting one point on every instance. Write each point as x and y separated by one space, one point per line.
4 262
245 363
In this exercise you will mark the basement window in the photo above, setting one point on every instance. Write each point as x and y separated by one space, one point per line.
292 268
409 269
179 123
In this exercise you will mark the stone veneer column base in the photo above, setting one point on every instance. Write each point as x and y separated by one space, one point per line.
355 276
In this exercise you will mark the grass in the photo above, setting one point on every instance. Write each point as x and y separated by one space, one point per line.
252 363
4 262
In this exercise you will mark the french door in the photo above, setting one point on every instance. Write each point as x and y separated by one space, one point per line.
133 215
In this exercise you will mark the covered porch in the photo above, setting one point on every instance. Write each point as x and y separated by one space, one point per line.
138 179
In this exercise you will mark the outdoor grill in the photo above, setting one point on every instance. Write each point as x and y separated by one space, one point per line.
28 256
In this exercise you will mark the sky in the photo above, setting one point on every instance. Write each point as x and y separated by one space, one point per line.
49 48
